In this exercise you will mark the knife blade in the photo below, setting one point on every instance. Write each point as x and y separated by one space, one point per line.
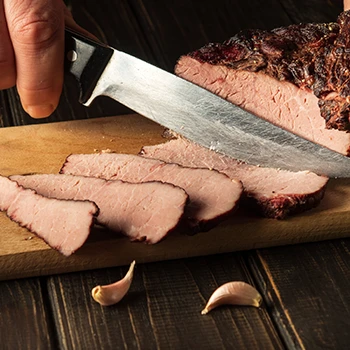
192 111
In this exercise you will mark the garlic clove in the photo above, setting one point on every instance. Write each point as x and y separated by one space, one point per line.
234 293
112 293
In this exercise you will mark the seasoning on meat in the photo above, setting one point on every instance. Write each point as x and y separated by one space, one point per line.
144 212
290 76
275 193
212 194
63 224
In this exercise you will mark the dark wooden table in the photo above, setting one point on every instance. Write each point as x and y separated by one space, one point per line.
306 288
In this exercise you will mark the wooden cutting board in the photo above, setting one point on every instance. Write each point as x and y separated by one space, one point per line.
43 149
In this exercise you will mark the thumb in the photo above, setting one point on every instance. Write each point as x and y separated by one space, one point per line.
36 29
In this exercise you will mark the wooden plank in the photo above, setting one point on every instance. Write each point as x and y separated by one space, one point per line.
307 290
43 148
5 119
301 11
24 320
161 310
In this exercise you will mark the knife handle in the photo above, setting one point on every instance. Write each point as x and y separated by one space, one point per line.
85 59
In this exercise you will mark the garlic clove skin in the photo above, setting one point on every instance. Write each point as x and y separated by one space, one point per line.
233 293
112 293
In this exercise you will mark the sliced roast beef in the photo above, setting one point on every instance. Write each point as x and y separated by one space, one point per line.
276 193
144 212
62 224
291 76
212 194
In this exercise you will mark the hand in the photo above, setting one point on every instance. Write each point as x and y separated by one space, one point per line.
32 50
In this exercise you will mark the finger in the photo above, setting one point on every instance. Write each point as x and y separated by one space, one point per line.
7 60
36 29
346 5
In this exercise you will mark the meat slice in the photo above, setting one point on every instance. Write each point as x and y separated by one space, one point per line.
143 212
62 224
212 194
275 193
296 77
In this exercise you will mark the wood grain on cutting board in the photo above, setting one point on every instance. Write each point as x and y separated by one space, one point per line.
43 149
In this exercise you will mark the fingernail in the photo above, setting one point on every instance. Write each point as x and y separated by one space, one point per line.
40 111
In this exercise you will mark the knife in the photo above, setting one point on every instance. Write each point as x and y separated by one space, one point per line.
192 111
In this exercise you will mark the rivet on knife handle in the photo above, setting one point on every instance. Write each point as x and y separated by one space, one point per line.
86 60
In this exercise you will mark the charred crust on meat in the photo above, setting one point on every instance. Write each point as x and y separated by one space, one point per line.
282 206
314 56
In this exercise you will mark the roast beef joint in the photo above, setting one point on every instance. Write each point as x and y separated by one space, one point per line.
296 77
